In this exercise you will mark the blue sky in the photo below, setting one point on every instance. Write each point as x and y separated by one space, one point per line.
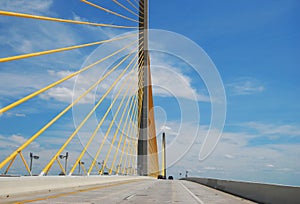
254 44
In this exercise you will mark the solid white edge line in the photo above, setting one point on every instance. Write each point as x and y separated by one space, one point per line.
191 193
129 197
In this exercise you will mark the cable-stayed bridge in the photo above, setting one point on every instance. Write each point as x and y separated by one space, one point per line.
131 101
117 156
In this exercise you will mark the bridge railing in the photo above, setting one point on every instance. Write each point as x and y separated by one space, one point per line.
258 192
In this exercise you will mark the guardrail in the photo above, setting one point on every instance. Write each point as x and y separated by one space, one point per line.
258 192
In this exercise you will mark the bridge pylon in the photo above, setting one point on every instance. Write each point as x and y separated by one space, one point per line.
147 157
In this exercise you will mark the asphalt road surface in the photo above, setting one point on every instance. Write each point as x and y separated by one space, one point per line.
134 191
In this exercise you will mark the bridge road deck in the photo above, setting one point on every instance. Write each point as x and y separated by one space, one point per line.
137 191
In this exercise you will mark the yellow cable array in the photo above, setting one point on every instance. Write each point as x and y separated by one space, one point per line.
125 161
136 143
26 98
117 130
18 57
98 152
127 151
127 9
96 130
129 129
109 129
126 124
115 135
109 11
133 159
141 5
106 135
135 101
130 156
133 5
126 142
23 15
37 134
48 166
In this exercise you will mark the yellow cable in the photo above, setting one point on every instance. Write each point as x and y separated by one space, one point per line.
18 57
83 168
26 98
11 162
48 166
61 167
25 163
45 18
109 11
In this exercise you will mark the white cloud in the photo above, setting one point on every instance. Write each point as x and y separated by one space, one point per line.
18 139
59 93
209 168
33 6
264 163
14 141
245 86
170 81
20 115
271 129
25 84
270 165
163 128
12 114
229 156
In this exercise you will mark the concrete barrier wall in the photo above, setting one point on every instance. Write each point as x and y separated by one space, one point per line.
261 193
14 186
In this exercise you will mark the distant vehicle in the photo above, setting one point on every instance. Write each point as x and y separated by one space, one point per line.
170 177
61 174
105 173
160 177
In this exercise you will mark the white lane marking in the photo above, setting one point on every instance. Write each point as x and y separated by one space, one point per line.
191 193
129 197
